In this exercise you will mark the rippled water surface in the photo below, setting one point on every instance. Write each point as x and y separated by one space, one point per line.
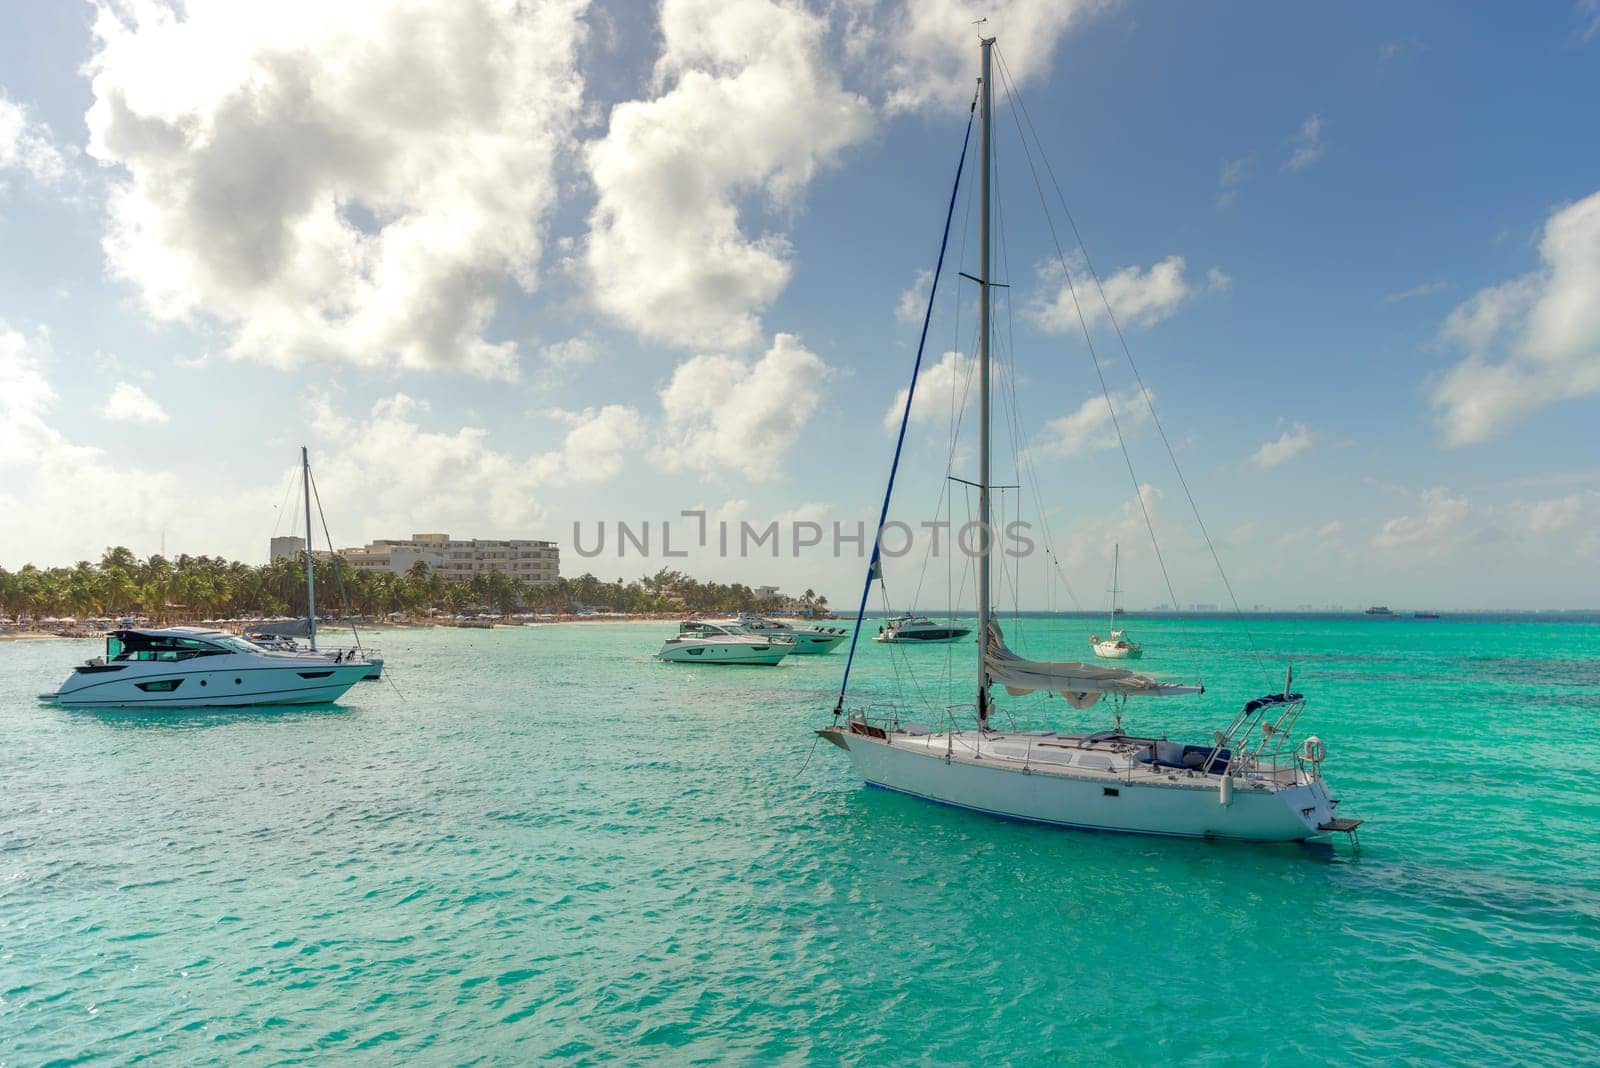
540 843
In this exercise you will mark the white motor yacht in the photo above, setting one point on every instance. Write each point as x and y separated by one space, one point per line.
808 641
194 667
921 630
699 642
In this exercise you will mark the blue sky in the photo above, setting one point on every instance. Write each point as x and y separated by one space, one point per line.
504 271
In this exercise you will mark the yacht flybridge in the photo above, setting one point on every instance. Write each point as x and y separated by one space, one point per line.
1251 781
807 641
195 667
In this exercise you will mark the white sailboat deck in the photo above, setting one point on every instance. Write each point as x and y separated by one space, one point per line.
1103 756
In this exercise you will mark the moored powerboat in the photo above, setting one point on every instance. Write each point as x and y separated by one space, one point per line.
700 642
193 667
911 629
808 641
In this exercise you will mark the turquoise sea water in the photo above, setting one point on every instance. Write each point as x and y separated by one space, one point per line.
542 844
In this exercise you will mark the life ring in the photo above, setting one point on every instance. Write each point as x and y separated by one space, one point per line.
1313 749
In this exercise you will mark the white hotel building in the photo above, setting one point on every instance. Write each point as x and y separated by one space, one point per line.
533 562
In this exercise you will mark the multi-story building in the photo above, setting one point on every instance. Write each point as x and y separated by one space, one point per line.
529 561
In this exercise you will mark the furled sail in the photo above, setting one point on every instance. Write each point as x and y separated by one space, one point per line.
1081 684
283 628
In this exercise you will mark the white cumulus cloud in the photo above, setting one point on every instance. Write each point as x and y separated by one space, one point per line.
130 404
1441 512
748 108
912 307
354 180
1308 145
390 471
1136 296
1291 443
1531 341
26 145
59 499
939 385
558 362
1089 427
723 414
596 448
925 52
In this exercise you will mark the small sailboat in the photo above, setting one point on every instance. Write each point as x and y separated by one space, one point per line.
1249 781
1118 646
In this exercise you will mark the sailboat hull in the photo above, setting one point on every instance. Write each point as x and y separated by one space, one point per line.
1181 807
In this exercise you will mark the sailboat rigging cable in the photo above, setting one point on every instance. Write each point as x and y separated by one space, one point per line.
1019 114
333 555
905 417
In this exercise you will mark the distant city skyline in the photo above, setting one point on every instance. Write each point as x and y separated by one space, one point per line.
531 267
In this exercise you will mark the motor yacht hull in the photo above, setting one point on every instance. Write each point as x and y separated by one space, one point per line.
941 637
733 653
230 681
814 643
1149 802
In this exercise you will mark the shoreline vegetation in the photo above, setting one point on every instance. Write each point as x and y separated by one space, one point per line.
65 601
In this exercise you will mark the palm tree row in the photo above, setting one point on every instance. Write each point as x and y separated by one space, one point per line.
209 587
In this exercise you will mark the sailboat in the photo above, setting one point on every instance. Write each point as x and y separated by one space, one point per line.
281 638
1249 781
1117 646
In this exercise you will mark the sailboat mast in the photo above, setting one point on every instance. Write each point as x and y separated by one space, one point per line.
985 543
311 570
1116 558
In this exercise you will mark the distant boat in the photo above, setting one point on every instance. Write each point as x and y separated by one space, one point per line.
1118 646
807 640
921 630
1379 610
1425 615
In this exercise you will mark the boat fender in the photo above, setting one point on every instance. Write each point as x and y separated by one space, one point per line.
1225 791
1315 751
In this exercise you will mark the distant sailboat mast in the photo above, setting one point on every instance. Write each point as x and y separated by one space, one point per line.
311 576
1116 554
984 541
